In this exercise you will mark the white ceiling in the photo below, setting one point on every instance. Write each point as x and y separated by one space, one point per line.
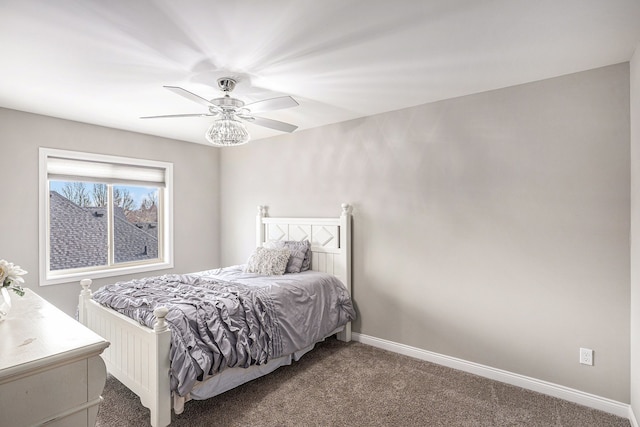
105 61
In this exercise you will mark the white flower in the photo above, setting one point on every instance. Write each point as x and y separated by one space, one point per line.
4 270
10 276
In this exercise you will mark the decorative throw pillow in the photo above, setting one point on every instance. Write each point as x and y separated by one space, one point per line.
299 253
268 262
306 263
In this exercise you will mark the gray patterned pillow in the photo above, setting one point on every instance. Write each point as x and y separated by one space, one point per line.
306 263
268 262
299 253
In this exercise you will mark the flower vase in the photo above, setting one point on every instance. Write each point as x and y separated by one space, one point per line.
5 303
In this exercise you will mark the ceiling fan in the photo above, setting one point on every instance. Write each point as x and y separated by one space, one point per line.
227 130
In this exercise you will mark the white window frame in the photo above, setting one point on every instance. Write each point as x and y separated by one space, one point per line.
165 218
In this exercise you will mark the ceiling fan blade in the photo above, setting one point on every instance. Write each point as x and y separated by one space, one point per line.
272 104
272 124
179 115
189 95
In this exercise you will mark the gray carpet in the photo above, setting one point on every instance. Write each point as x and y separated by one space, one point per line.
352 384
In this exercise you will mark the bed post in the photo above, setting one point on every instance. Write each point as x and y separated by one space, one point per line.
260 228
160 408
345 246
85 295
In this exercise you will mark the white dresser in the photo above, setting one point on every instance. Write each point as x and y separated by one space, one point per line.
50 367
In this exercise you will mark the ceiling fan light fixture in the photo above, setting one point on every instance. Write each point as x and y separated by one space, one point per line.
227 132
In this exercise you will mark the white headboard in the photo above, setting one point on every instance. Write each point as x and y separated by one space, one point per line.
330 239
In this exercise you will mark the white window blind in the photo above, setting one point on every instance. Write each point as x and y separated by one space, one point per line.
70 169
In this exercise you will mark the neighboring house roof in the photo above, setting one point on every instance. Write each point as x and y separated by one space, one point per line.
78 236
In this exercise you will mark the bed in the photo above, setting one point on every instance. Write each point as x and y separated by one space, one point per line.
139 356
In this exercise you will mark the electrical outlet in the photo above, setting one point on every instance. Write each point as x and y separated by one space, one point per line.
586 356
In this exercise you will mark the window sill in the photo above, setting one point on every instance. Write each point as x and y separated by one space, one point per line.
56 279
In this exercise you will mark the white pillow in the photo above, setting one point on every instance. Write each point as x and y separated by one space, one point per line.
299 253
268 262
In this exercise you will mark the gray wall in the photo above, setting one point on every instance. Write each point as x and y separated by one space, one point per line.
493 227
196 198
635 232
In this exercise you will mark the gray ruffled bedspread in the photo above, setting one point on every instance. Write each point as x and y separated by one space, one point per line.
216 324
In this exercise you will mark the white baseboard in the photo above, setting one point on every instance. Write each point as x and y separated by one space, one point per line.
572 395
632 418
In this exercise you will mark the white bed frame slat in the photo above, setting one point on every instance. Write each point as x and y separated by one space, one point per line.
139 356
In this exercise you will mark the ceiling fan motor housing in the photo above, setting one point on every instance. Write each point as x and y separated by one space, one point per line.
227 102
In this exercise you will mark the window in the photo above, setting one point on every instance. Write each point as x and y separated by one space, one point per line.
103 215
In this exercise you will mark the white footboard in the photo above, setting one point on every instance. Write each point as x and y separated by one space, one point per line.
138 356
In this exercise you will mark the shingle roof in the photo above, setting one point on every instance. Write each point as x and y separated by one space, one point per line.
78 236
